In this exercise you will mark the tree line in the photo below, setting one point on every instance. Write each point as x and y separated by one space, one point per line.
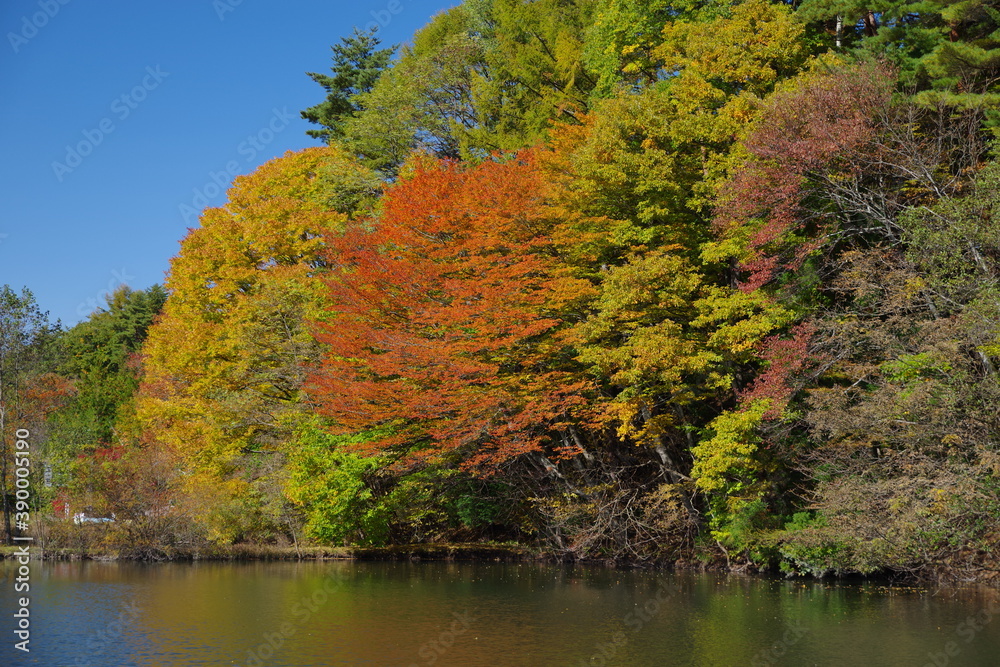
699 282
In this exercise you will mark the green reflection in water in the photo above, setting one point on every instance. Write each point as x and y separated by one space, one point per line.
342 613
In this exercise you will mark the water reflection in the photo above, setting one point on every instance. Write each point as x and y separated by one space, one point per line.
342 613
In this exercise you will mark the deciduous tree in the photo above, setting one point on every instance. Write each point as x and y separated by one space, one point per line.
224 364
24 334
442 314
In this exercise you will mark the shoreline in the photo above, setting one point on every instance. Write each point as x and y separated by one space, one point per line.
414 552
464 552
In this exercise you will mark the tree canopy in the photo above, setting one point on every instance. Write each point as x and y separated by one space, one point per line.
622 280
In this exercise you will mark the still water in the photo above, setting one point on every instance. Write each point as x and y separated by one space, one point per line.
416 614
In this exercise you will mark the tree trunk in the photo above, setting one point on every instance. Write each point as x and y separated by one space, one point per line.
871 23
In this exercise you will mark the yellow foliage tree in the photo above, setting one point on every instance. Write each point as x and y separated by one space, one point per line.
225 363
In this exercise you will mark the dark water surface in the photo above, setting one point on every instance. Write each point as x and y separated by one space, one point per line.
349 613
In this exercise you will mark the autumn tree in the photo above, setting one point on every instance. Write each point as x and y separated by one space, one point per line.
789 197
619 48
441 320
99 360
224 365
664 332
485 76
534 71
25 390
100 356
816 219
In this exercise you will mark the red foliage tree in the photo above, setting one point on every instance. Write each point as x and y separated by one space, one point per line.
441 319
808 152
787 362
44 394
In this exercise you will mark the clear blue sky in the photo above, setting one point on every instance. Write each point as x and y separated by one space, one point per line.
155 101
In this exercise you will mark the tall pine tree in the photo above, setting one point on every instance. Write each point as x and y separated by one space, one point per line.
357 65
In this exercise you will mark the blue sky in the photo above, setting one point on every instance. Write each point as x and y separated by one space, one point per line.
118 120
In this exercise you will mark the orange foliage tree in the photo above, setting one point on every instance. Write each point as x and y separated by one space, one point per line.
445 308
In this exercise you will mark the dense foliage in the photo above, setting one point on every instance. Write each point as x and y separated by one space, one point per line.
622 280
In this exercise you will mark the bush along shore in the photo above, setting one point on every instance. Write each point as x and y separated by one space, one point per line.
107 542
247 552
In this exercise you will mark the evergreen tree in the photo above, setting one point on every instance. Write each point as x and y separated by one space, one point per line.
99 357
357 65
947 51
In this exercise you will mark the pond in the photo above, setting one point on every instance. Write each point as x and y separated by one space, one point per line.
470 614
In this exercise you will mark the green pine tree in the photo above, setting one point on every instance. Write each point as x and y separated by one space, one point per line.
357 65
947 51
